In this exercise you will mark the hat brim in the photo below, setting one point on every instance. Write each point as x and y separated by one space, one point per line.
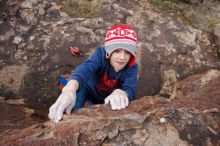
128 47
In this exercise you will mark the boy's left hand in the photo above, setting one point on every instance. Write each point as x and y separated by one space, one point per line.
118 99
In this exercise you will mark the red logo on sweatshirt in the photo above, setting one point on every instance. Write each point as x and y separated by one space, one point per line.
107 84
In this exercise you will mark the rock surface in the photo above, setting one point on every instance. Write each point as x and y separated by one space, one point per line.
189 120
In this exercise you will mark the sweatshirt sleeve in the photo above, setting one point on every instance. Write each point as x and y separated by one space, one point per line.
89 67
130 82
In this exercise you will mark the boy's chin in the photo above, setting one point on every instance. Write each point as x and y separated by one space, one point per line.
117 69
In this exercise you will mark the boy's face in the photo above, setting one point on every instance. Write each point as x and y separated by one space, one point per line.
119 59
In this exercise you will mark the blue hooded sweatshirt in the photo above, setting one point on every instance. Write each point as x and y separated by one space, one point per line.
98 76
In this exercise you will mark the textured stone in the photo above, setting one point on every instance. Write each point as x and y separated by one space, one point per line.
139 124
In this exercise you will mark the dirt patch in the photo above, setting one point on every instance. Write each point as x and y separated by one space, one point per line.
15 115
11 77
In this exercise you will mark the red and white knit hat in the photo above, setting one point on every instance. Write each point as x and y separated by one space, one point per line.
121 37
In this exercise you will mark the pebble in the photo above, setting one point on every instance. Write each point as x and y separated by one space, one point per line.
162 120
17 40
25 58
32 38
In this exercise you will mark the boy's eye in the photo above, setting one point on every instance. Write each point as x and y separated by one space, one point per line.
117 51
127 52
122 50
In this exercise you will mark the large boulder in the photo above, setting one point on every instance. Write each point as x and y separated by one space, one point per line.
151 120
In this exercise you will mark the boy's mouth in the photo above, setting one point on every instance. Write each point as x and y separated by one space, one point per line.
121 63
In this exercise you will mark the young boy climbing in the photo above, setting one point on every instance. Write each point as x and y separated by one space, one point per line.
108 76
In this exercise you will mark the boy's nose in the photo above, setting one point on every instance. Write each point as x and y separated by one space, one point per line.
122 55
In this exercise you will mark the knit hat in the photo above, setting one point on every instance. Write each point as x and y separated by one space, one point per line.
123 37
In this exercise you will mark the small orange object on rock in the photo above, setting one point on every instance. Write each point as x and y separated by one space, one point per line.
75 51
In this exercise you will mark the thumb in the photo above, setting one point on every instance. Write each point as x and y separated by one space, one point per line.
107 100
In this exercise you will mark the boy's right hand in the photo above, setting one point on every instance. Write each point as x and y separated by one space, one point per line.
65 102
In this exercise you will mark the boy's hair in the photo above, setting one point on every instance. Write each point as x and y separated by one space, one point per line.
121 36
